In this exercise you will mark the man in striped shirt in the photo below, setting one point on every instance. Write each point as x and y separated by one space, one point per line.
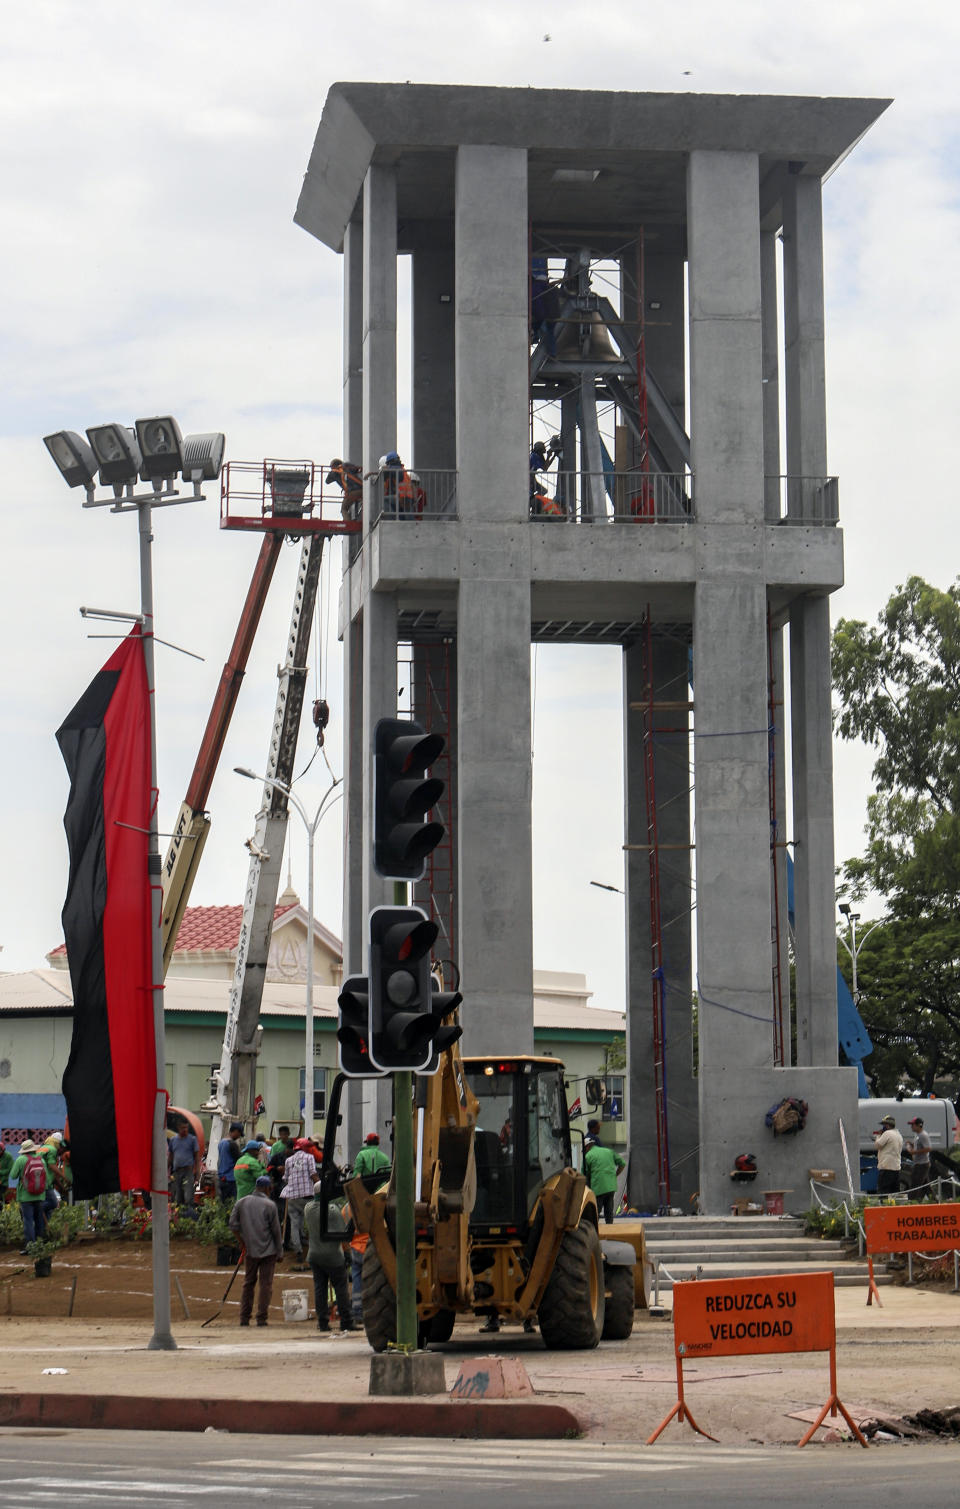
299 1176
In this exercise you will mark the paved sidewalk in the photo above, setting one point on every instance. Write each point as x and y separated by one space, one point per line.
894 1360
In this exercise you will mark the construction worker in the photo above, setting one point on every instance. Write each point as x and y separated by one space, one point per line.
601 1166
889 1145
371 1157
248 1169
389 472
541 456
349 477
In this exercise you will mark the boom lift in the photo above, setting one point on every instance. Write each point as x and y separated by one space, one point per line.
193 824
505 1225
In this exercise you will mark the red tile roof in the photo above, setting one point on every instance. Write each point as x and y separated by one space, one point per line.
213 927
205 927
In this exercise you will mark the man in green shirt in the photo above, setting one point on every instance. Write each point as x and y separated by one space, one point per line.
601 1166
371 1158
29 1199
248 1169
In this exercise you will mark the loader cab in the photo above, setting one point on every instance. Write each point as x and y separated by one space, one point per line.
522 1138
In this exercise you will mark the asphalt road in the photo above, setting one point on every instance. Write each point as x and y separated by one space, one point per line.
127 1469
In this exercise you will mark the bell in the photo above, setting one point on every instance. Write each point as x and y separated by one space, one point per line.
585 338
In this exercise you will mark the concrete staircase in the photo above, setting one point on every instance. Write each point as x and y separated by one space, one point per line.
745 1246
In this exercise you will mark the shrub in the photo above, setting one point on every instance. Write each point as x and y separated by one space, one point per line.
64 1222
11 1225
213 1225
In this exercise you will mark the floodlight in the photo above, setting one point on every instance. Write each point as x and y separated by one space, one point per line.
202 457
161 445
75 460
117 451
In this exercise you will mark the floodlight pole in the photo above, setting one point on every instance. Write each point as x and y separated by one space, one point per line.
162 1338
311 825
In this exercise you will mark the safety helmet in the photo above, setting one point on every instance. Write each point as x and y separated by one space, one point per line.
393 459
372 1137
539 447
251 1146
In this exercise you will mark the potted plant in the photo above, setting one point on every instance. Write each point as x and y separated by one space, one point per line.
41 1249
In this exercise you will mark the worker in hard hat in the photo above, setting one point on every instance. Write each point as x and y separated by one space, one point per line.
349 478
541 456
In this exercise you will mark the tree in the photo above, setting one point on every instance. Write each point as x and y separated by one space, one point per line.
908 978
899 689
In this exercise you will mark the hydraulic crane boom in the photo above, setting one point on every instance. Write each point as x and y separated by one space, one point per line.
193 824
234 1087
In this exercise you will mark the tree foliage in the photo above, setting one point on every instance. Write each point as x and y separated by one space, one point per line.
899 689
908 976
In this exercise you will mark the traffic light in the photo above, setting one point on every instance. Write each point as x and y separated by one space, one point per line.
402 796
353 1031
406 1013
444 1001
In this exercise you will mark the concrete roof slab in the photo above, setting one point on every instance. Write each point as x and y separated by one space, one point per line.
638 142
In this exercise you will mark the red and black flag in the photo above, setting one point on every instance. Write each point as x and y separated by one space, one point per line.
110 1082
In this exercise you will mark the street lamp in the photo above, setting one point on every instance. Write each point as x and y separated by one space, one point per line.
120 454
853 948
311 825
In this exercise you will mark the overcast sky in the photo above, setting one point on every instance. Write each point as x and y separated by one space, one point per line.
152 159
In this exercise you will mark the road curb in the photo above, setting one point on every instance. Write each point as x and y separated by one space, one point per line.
471 1419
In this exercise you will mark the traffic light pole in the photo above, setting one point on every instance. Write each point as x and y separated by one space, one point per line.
403 1172
404 1164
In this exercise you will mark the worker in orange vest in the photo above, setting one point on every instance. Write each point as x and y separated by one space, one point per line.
349 478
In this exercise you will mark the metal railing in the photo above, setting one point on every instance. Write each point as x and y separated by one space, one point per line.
631 497
295 497
413 495
803 500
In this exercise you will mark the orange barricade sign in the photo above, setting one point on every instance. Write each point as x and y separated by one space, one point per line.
790 1312
909 1228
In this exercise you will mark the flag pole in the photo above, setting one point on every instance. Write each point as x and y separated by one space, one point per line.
162 1338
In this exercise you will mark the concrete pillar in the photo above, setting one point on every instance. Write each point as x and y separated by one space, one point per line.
353 342
723 243
805 392
351 631
492 350
434 386
672 782
434 706
771 374
729 657
354 931
815 947
493 640
770 323
495 871
780 832
379 323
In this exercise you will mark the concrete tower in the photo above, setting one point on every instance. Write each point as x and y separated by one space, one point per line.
677 533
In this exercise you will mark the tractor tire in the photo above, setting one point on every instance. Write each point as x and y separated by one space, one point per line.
439 1327
571 1311
618 1313
379 1302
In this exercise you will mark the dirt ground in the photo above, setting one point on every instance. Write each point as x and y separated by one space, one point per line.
891 1361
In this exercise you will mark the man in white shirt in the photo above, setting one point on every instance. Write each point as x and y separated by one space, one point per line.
889 1145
